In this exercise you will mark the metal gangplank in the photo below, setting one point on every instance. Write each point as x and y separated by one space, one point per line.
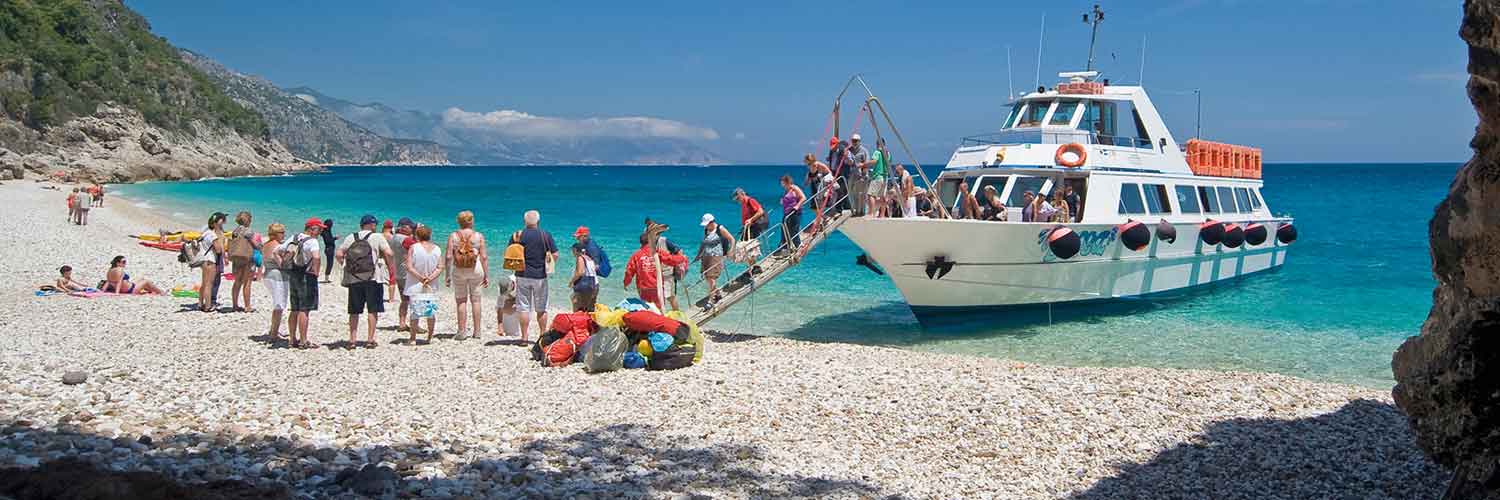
772 264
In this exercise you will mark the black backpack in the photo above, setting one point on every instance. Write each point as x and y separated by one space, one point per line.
679 356
291 253
359 263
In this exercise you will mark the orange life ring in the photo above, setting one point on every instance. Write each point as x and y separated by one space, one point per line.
1077 149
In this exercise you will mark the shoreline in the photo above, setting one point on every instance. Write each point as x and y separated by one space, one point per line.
761 416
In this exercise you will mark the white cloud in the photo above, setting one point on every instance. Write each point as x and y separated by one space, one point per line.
521 124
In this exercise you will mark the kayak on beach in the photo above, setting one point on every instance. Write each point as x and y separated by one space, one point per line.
177 236
172 246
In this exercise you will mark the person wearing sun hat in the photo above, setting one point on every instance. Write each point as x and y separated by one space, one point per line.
711 251
306 252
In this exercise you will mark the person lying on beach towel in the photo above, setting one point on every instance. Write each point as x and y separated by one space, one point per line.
117 281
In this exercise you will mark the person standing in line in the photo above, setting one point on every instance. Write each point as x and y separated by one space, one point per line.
211 261
791 222
423 265
362 254
399 251
879 159
585 280
328 246
467 271
275 280
858 182
242 245
84 201
388 231
643 270
531 281
302 280
670 274
711 251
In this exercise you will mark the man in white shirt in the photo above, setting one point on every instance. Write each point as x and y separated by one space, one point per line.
302 280
365 256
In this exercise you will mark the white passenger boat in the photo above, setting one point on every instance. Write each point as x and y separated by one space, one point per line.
1155 217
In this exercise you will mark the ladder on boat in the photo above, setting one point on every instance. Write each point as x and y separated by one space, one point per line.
767 268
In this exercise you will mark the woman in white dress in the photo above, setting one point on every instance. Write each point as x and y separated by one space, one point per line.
423 266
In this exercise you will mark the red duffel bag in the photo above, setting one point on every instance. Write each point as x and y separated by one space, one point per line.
647 322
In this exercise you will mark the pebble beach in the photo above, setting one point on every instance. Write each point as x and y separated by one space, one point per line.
209 397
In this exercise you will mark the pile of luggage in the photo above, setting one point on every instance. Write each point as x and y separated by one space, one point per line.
633 335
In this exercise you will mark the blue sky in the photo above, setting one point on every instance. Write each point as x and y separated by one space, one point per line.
1331 80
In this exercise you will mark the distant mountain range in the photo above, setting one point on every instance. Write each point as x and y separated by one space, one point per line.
513 137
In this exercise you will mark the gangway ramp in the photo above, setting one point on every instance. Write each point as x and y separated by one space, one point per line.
768 268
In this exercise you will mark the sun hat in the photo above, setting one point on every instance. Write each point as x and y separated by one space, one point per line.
854 137
314 222
368 219
581 231
707 219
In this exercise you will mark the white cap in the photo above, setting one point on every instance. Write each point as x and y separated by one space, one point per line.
707 218
854 137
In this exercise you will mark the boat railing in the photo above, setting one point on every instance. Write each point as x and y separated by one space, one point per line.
822 205
1046 136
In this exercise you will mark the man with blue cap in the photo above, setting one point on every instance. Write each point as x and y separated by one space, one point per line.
365 256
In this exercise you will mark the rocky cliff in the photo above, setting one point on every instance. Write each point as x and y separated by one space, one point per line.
87 92
311 132
1448 378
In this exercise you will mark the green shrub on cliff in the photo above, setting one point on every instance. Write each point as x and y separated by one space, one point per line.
61 58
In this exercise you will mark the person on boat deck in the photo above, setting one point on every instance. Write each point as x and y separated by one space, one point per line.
1075 205
669 274
116 280
642 268
908 192
858 181
1060 205
65 281
925 205
1037 209
879 170
791 207
837 151
992 209
753 218
968 207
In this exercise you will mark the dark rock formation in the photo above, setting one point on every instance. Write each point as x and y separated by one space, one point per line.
1448 378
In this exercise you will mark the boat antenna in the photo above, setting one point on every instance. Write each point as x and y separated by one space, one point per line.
1010 86
1141 80
1039 38
1098 16
1198 93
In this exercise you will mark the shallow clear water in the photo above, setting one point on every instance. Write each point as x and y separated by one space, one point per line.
1354 286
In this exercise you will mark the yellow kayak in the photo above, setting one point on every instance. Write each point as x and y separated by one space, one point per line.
178 236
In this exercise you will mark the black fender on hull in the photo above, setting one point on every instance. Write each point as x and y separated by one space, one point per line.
1255 233
1234 235
1211 232
1063 242
1165 231
1286 234
1134 235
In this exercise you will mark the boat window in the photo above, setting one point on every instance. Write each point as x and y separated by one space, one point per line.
1035 112
1142 139
1064 114
1255 198
1156 198
1187 201
1226 200
1023 184
1099 119
990 180
1010 119
1242 196
948 191
1209 198
1130 199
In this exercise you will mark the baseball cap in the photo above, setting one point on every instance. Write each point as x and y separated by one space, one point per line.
368 219
833 141
314 222
707 218
388 224
581 231
405 222
854 137
738 192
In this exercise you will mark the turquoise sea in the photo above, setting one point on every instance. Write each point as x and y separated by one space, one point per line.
1355 285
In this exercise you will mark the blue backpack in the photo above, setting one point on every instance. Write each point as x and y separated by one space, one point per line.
601 259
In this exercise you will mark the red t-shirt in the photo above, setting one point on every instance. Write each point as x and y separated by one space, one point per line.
748 208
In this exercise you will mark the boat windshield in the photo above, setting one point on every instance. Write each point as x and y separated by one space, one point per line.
1034 113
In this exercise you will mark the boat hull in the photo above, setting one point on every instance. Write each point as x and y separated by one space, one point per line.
1002 265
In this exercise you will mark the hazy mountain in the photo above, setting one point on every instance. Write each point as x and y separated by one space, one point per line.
512 137
313 132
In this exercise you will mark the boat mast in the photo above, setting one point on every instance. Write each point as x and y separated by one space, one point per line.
1098 15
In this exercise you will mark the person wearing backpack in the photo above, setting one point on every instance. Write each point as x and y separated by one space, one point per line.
365 257
716 244
300 259
243 243
594 251
585 281
466 269
539 257
210 261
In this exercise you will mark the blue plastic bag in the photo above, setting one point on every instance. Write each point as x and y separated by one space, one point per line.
634 360
660 342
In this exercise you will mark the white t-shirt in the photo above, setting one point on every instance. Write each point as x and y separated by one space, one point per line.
206 245
310 249
378 247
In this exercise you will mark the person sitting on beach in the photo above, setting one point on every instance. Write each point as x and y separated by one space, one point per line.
507 320
302 283
243 243
467 271
116 280
65 281
423 264
644 268
274 278
991 208
365 279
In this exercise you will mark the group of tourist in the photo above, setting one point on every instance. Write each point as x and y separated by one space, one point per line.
81 199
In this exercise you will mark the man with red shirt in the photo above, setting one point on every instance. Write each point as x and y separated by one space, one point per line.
643 268
753 218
